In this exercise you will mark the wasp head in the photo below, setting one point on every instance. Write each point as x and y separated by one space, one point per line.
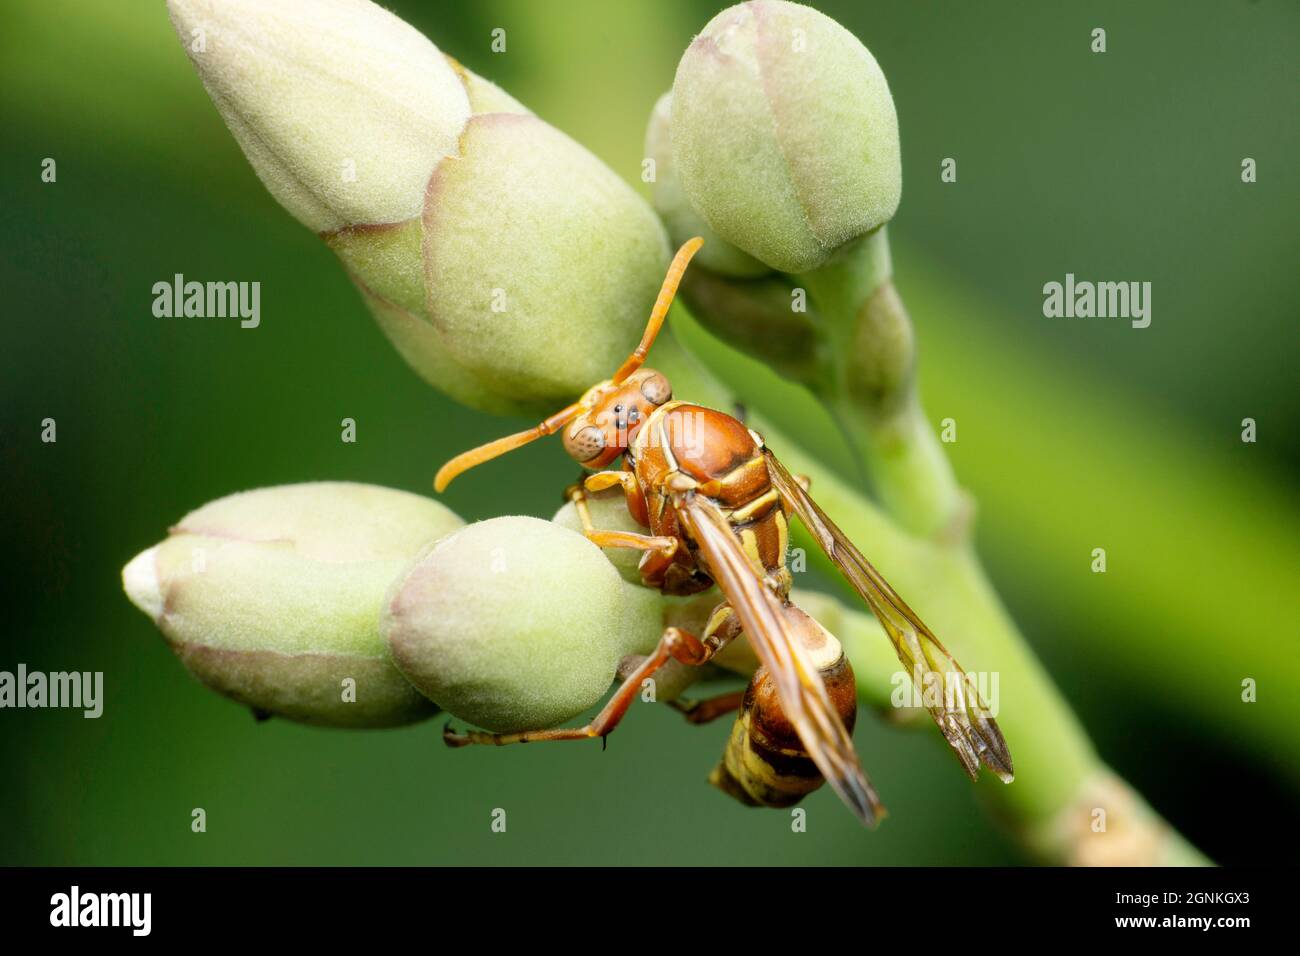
612 415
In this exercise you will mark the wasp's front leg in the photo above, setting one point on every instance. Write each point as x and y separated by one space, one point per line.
675 644
600 481
662 550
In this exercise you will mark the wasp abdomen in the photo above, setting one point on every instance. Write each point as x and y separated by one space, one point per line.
765 764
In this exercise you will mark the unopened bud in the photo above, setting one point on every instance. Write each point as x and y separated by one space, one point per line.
681 219
784 134
509 266
309 86
516 623
272 597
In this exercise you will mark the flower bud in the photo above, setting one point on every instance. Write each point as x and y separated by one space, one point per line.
516 623
540 264
343 109
784 134
272 597
680 218
508 265
608 511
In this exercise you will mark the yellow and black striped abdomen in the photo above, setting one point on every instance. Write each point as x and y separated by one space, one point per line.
765 763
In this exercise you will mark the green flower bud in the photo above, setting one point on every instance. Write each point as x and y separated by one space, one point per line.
343 109
608 510
784 134
508 265
516 623
272 597
540 263
735 295
681 219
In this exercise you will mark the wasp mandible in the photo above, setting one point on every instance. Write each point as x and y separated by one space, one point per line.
716 504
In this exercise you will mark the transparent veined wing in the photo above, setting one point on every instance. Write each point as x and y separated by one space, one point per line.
954 703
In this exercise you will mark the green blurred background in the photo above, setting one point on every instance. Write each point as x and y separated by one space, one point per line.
1124 165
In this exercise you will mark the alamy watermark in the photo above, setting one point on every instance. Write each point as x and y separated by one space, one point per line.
950 690
209 300
1102 300
680 429
75 908
83 690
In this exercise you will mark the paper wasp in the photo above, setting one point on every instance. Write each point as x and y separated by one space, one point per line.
716 502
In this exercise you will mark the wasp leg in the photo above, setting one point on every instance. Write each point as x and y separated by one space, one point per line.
579 498
708 709
661 551
608 479
577 493
664 548
723 627
675 644
696 710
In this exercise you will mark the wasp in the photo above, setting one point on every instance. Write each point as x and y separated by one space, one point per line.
716 505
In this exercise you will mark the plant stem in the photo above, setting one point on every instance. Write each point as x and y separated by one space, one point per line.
867 382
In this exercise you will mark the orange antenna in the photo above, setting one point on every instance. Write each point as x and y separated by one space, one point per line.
657 315
476 456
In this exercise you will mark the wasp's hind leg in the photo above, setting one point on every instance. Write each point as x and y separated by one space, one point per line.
702 711
675 676
675 644
722 628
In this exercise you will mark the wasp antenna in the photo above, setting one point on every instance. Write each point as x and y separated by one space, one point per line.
666 292
493 449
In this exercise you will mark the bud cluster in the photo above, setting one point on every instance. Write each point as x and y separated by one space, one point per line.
507 264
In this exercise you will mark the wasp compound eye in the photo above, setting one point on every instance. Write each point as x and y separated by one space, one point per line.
656 389
585 443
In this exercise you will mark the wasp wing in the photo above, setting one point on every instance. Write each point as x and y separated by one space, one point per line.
960 713
798 684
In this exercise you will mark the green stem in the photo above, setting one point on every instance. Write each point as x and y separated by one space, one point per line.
909 471
867 383
1061 784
